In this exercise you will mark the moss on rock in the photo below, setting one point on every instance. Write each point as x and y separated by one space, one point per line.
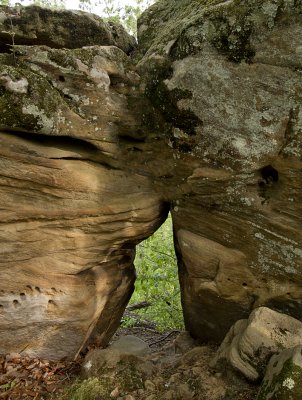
181 29
31 108
283 379
34 25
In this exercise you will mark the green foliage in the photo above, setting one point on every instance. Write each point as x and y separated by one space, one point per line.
7 386
157 280
127 15
128 322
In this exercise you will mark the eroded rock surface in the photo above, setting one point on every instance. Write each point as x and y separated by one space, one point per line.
70 213
34 25
227 77
283 378
250 343
95 149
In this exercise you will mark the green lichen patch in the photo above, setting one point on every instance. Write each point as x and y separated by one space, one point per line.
226 25
283 385
165 21
30 109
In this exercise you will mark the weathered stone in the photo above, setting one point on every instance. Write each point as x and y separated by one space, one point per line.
183 343
70 214
109 364
250 343
227 77
283 378
131 345
95 151
34 25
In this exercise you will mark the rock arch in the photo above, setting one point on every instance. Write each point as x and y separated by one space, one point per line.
96 147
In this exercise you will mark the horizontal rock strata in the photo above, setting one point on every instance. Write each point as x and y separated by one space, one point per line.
204 118
70 214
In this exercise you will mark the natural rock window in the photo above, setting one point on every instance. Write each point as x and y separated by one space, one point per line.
156 297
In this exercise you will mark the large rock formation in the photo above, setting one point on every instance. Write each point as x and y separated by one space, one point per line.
94 150
59 29
71 214
227 76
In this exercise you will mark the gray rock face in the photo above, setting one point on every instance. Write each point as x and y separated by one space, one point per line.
205 120
250 343
283 377
227 78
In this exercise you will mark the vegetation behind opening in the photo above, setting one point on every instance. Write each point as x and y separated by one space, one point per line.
157 281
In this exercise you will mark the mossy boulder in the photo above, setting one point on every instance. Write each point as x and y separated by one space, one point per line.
283 378
183 28
34 25
250 343
106 370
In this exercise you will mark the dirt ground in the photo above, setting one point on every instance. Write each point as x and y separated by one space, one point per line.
182 372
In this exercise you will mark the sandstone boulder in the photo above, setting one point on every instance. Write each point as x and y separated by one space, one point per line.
112 373
250 343
283 377
34 25
226 77
70 214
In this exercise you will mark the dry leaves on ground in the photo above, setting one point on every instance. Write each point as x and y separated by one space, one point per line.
27 378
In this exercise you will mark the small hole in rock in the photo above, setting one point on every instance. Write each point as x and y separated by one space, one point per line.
61 78
23 296
38 289
269 175
244 284
16 303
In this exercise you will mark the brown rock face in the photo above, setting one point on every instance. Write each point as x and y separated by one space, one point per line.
94 150
70 213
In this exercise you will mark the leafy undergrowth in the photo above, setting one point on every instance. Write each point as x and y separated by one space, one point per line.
157 282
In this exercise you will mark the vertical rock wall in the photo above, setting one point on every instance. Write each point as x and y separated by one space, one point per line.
227 77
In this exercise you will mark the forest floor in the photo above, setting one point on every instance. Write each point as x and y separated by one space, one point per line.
181 373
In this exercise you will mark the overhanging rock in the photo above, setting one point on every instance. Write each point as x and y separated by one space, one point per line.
94 145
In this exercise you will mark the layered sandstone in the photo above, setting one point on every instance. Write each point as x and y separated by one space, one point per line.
71 214
95 149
